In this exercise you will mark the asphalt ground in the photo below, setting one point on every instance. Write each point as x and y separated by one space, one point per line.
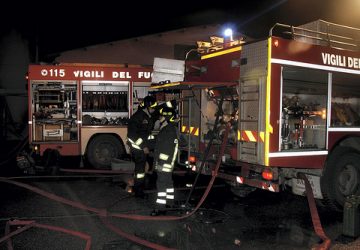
262 220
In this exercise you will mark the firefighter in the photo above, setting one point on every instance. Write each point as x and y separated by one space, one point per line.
141 141
165 154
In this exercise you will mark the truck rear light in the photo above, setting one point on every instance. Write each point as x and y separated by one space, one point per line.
191 163
276 43
240 179
36 149
192 159
267 174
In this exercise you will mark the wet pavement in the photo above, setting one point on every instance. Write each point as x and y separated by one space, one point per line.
262 220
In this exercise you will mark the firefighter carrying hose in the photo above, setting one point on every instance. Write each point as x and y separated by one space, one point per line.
141 141
165 154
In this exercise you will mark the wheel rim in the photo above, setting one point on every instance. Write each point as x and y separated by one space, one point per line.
348 179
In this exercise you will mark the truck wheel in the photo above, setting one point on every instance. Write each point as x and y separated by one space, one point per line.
341 177
102 149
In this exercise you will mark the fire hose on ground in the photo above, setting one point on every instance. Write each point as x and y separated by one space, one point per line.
29 224
104 214
314 215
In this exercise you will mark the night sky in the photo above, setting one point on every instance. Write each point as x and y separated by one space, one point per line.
63 25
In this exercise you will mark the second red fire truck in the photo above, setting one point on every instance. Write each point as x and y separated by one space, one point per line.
82 110
293 101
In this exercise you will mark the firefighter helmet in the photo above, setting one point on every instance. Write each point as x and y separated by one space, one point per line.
168 113
149 102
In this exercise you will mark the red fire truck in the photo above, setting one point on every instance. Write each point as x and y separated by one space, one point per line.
82 109
293 101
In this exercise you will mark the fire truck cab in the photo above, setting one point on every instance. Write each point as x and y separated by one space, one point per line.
293 102
82 109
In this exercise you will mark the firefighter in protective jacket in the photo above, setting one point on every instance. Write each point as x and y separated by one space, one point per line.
140 140
165 154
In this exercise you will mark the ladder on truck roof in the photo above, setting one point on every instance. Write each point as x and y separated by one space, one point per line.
321 32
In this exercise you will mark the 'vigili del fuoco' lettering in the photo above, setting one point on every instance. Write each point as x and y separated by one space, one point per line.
334 60
89 73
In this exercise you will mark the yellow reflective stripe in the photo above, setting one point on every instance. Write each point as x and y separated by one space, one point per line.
151 137
158 86
161 201
262 136
139 141
163 157
140 175
183 129
223 52
191 130
267 105
175 154
161 194
169 104
170 196
250 136
169 190
135 146
166 170
196 131
166 165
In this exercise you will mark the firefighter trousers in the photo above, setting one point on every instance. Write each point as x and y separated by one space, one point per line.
165 190
139 158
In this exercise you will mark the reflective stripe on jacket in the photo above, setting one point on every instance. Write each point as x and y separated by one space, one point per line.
166 148
140 126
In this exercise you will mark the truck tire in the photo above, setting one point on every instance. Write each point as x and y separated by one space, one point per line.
341 177
102 149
